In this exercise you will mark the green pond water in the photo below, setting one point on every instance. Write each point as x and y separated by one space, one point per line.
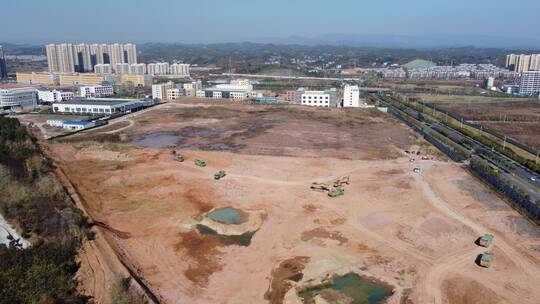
227 216
361 290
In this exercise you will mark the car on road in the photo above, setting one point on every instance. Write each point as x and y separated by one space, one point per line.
532 178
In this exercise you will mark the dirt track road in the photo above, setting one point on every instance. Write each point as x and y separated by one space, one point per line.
462 259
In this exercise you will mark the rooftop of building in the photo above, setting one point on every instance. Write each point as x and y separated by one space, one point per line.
76 122
99 101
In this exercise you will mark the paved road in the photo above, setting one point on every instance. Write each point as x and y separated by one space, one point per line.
519 175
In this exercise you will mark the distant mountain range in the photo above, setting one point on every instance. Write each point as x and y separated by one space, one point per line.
409 41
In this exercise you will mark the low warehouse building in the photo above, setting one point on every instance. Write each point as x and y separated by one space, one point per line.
101 106
70 124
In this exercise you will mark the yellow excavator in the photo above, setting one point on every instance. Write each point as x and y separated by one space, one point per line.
320 187
341 181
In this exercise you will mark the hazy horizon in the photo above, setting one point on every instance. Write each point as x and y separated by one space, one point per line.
212 21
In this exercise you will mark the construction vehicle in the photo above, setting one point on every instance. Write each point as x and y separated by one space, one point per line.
486 258
219 175
337 192
341 181
485 240
417 170
320 187
178 158
200 163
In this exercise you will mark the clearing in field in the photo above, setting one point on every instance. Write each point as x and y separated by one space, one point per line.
261 235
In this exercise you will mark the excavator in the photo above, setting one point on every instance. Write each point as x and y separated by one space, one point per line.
341 181
320 187
200 163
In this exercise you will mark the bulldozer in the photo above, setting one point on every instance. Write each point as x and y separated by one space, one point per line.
337 192
341 181
219 175
200 163
178 158
320 187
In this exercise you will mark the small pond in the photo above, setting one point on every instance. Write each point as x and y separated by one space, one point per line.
228 216
359 289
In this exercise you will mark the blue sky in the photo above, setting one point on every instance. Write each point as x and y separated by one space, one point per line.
38 21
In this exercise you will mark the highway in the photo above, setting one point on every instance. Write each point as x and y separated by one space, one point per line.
513 171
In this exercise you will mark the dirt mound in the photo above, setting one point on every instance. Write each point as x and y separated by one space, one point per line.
287 272
322 233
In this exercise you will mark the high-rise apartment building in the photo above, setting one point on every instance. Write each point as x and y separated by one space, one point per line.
3 67
122 68
69 58
137 68
530 83
523 63
160 68
179 69
103 68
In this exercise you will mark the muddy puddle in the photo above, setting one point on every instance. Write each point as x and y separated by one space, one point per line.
158 140
350 288
241 240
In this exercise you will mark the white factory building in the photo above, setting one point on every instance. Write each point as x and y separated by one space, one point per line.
101 106
320 98
96 91
19 97
239 89
55 96
70 124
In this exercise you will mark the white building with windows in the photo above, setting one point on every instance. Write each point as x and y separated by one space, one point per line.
19 97
122 68
351 96
101 106
96 91
160 68
325 99
55 96
137 68
191 88
179 69
173 94
530 83
104 68
159 91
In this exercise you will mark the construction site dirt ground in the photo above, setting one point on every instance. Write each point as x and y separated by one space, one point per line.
413 231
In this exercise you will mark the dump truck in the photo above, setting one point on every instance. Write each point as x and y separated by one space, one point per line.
485 240
337 192
219 175
486 258
320 187
200 163
178 158
341 181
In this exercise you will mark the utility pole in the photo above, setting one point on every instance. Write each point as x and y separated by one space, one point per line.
461 126
537 153
504 144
